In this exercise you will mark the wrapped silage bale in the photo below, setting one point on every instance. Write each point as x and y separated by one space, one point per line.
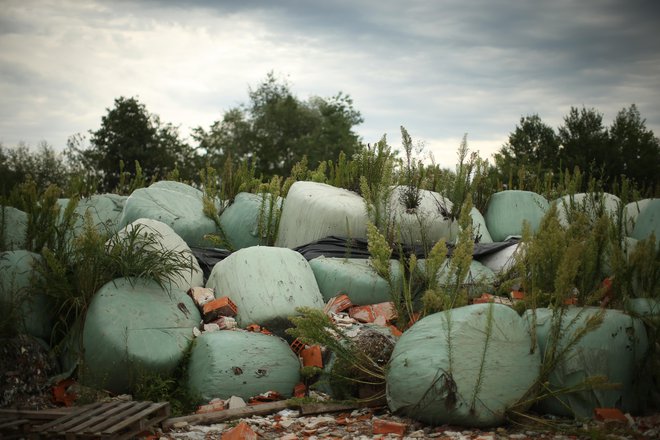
134 328
648 222
616 349
507 210
178 205
591 204
28 311
14 227
356 277
643 306
502 260
235 363
161 238
631 212
479 229
240 220
267 284
479 278
316 210
464 366
425 224
105 211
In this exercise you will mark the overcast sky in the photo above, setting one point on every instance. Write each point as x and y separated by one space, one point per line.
440 68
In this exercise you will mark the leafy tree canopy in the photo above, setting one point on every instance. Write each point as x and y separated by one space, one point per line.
129 133
44 166
276 129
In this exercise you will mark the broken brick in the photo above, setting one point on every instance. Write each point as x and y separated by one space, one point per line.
383 312
61 394
253 328
517 295
201 295
337 304
381 426
211 407
609 415
297 346
242 431
219 307
300 390
311 356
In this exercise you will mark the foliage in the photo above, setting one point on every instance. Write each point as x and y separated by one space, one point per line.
276 129
44 167
131 134
270 211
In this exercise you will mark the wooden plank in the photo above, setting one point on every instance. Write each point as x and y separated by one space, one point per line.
321 408
62 422
96 419
83 416
48 414
13 423
227 414
129 413
153 408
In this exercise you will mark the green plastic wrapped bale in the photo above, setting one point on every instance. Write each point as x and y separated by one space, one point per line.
463 366
616 349
315 210
236 363
631 212
507 210
177 205
592 204
14 228
28 311
648 222
425 224
240 221
480 231
643 306
267 284
105 211
478 280
160 237
134 329
355 277
502 260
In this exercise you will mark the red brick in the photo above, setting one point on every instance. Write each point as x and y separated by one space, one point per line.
609 415
219 307
338 304
384 312
311 356
300 390
242 431
388 427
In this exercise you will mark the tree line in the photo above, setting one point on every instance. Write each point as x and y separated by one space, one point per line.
276 129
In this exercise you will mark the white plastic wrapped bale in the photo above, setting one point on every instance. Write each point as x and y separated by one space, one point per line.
177 205
134 327
240 220
502 260
507 210
355 277
104 209
425 224
14 227
648 222
162 238
464 366
267 284
479 229
23 308
592 204
244 364
316 210
631 212
615 349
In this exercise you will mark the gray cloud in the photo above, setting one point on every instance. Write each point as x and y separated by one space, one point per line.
441 68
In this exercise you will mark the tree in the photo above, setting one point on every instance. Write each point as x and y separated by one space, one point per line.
277 129
585 143
44 166
129 133
636 149
532 146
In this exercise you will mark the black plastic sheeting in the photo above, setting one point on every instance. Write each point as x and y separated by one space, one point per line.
342 247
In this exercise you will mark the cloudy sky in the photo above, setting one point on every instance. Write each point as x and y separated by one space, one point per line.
441 68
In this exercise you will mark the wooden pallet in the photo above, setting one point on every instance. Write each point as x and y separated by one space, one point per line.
112 420
16 423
